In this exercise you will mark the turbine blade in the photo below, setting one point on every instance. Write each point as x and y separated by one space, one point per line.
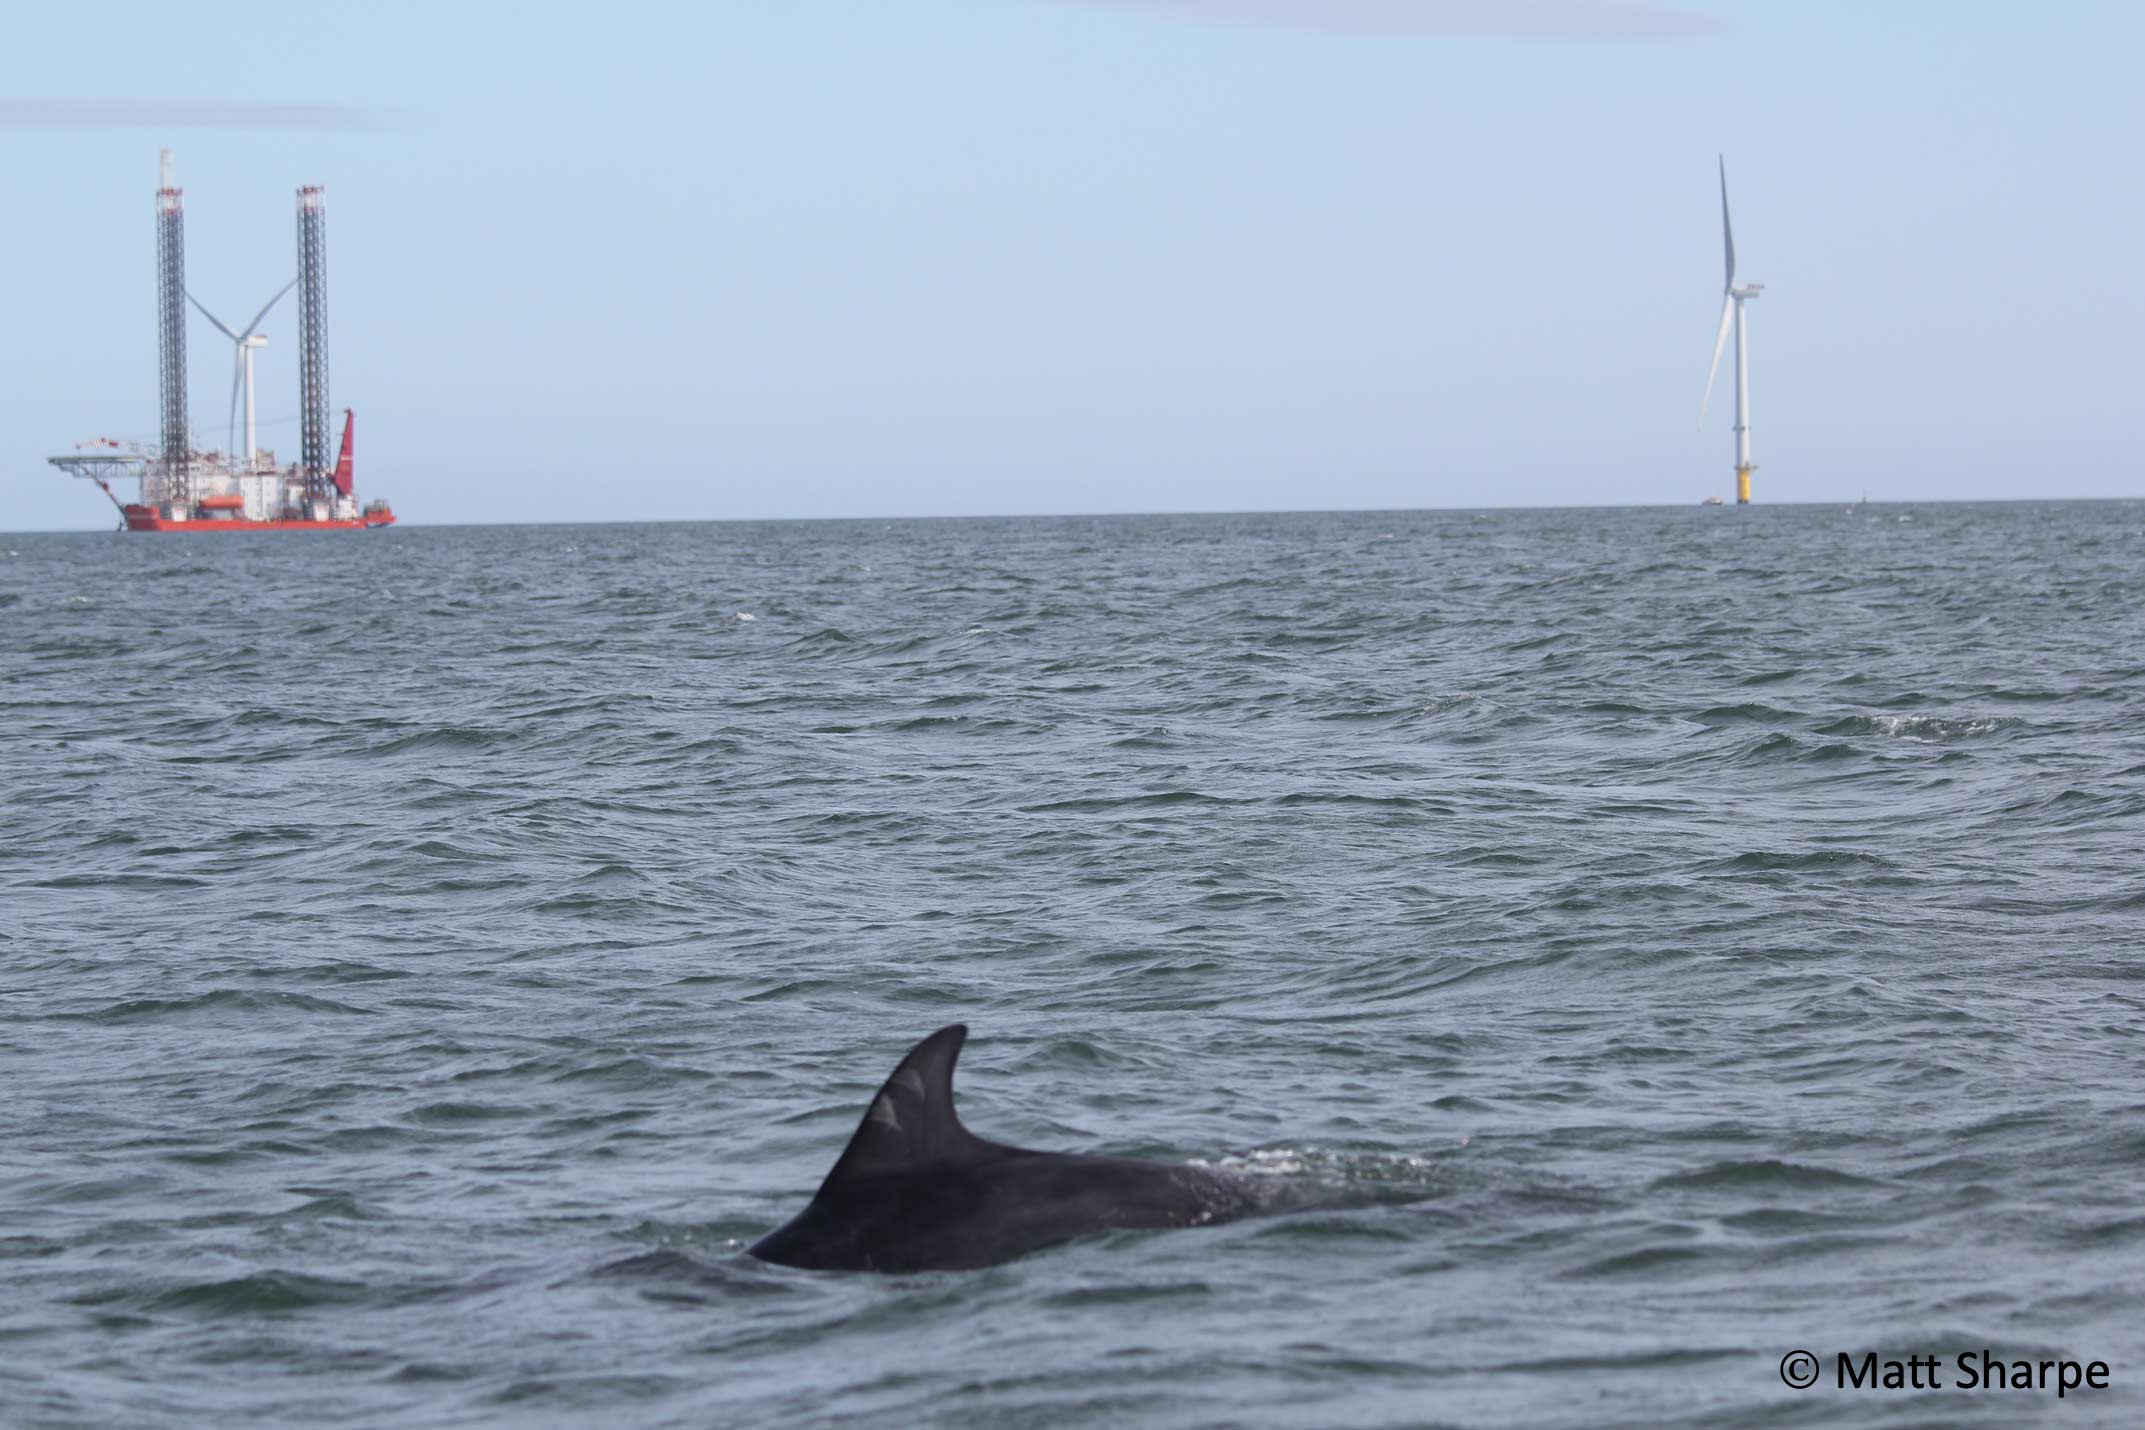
238 374
1720 345
211 317
264 309
1727 231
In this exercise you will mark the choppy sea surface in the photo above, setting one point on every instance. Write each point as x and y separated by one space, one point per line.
428 956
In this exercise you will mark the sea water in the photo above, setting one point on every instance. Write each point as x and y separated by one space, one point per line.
428 956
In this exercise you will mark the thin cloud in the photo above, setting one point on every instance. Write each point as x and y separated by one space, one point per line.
1482 19
74 115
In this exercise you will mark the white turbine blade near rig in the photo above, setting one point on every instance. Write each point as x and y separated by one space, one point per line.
1731 315
247 343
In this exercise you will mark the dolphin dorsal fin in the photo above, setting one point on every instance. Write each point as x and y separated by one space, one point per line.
911 1123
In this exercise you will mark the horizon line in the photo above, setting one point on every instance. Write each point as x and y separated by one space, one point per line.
401 521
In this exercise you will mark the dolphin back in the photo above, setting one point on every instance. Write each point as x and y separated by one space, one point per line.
916 1191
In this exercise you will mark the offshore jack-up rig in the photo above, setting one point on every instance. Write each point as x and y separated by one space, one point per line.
240 488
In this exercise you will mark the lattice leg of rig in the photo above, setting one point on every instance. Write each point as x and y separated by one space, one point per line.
171 337
313 341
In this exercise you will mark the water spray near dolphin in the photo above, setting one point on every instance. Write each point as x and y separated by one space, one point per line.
916 1191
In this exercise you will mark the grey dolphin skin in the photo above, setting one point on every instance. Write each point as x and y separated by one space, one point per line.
917 1191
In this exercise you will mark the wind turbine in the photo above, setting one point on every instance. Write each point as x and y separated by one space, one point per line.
247 343
1731 311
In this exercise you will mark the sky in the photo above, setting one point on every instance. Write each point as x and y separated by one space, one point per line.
838 258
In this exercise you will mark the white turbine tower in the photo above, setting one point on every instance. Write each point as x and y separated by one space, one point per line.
247 343
1731 312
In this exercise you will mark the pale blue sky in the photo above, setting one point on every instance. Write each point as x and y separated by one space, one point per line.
892 257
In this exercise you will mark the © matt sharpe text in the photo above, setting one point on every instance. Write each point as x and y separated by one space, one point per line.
1970 1370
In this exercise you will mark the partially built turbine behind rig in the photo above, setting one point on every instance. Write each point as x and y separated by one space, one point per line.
184 489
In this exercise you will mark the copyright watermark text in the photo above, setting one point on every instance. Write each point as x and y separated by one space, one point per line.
1967 1370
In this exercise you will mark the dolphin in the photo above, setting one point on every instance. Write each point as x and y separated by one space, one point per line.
917 1191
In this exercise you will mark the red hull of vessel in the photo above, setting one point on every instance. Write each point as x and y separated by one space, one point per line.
157 523
150 521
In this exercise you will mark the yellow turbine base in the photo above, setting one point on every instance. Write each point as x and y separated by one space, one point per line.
1742 486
